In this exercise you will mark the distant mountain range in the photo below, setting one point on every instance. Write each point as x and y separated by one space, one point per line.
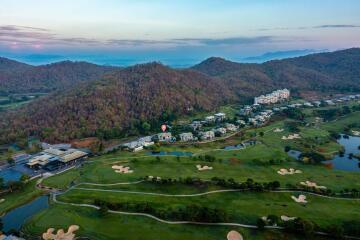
279 55
107 102
16 77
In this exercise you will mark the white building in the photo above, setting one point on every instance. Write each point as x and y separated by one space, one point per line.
165 137
231 127
196 125
221 131
207 135
186 137
273 97
210 119
220 116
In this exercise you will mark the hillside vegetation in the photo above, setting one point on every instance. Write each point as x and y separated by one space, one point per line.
137 99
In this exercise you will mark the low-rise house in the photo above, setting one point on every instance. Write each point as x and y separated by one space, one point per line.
207 135
221 131
329 102
165 137
231 127
241 122
317 103
210 119
186 137
196 125
220 117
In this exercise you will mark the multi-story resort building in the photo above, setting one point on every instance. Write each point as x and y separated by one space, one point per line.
273 97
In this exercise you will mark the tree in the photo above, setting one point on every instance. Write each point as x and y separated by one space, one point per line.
260 223
103 210
273 219
145 127
335 231
24 178
287 148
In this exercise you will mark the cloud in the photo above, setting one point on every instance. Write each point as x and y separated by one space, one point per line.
310 27
337 26
228 41
16 37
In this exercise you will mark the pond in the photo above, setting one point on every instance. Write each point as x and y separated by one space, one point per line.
234 147
17 217
175 153
10 174
341 162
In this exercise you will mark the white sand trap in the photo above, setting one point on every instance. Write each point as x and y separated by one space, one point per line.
312 184
122 169
2 200
286 218
355 133
278 130
300 199
291 171
234 235
60 234
203 168
291 137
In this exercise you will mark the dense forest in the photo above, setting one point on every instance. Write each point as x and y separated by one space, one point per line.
108 102
121 103
17 77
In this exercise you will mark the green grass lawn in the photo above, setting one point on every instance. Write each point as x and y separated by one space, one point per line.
15 199
114 226
239 165
252 162
242 207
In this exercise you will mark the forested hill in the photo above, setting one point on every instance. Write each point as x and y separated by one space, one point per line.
338 71
17 77
136 99
123 102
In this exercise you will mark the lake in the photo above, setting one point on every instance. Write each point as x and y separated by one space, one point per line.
17 217
175 153
341 162
351 145
10 174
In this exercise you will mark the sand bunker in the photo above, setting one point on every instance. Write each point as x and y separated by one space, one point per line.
234 235
355 133
291 171
312 184
203 168
60 234
278 130
291 137
122 169
2 200
286 218
300 199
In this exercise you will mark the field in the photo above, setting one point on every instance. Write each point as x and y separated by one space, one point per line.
97 180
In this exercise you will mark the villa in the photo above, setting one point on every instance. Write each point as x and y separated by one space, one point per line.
210 119
231 127
165 137
220 117
221 131
186 137
207 135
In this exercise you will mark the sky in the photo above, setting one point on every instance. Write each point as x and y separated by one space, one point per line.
176 32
